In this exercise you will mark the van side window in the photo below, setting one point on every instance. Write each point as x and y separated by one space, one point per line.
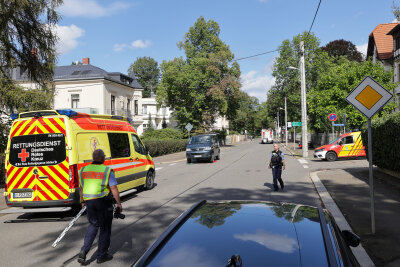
119 145
137 144
348 140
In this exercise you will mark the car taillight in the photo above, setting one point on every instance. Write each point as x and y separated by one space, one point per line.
73 176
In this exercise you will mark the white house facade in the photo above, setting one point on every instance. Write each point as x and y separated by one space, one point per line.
89 89
155 116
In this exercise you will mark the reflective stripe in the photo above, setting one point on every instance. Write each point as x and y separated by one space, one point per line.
102 194
105 178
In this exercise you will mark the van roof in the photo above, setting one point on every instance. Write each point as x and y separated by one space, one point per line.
67 112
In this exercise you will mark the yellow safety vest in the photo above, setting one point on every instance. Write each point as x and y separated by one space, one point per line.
94 181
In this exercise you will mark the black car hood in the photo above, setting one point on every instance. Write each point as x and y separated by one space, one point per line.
263 234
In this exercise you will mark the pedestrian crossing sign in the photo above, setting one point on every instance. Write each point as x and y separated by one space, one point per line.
369 97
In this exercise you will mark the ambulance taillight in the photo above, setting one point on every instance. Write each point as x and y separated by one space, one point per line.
73 176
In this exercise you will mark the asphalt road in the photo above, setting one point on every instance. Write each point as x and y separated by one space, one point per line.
241 174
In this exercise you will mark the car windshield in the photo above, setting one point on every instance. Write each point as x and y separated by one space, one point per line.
200 139
334 141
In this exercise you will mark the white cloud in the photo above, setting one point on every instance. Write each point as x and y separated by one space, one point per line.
363 49
257 83
140 44
67 37
91 9
134 45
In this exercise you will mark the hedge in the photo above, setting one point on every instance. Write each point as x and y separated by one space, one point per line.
165 146
167 133
385 141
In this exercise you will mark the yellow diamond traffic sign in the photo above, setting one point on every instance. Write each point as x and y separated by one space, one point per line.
369 97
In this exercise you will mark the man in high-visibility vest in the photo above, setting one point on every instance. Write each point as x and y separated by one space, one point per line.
95 183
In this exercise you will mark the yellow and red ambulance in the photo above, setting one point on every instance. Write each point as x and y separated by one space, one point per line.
46 149
347 145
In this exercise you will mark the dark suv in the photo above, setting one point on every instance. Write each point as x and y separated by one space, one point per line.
252 233
203 147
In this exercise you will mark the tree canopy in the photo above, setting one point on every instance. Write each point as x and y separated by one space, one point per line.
147 73
342 47
206 83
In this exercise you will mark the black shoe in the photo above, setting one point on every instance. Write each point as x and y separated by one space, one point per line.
282 186
107 257
82 257
276 189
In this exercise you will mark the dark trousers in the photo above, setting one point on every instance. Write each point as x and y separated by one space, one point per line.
276 174
100 215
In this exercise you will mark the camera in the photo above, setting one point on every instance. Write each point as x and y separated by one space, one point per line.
118 214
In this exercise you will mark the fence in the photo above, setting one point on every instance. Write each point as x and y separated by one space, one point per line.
233 139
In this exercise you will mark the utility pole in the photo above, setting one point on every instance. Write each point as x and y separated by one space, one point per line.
286 126
278 132
304 136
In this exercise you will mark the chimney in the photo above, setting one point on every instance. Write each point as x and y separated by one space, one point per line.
34 52
85 61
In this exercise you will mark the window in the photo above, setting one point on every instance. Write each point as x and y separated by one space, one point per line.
144 109
348 140
119 145
137 144
136 108
163 111
397 44
112 105
74 101
128 106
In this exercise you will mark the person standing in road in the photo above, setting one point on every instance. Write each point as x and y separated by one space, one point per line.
276 163
95 183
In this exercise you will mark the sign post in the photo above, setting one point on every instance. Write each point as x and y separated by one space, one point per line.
369 97
189 127
294 125
333 117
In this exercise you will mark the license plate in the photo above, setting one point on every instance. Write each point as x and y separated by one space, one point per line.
23 195
197 156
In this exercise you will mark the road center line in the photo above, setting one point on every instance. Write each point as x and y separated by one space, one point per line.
172 164
158 168
302 161
305 166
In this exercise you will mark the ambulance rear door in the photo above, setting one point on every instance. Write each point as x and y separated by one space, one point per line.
38 168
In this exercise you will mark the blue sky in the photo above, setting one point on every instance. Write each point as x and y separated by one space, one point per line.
114 33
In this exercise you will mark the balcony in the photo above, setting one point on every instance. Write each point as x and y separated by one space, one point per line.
396 53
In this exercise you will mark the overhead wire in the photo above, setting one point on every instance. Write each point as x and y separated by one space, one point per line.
276 50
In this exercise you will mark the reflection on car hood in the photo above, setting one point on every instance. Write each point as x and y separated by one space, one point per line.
262 233
198 145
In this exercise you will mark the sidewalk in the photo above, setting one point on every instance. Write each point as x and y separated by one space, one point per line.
350 190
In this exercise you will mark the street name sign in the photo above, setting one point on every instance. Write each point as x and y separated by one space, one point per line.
289 124
189 127
369 97
338 124
332 117
296 123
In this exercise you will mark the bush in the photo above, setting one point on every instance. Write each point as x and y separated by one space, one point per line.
167 133
163 147
385 141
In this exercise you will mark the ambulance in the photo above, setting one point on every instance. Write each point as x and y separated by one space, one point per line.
46 149
346 146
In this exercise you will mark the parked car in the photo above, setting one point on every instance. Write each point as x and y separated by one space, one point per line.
203 147
247 233
310 145
347 145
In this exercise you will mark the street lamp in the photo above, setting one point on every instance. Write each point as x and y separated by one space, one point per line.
304 136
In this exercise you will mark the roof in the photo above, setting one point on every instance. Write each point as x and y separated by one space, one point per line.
260 232
394 30
384 42
82 72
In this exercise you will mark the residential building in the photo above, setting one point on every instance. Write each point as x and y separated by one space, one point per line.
156 115
395 33
380 45
90 89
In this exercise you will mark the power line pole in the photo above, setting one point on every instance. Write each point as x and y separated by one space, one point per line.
303 102
286 126
278 132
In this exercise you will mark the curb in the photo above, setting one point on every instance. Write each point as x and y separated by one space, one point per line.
359 252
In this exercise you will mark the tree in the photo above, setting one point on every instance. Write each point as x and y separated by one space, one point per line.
246 114
287 81
206 83
342 47
147 73
396 11
335 83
